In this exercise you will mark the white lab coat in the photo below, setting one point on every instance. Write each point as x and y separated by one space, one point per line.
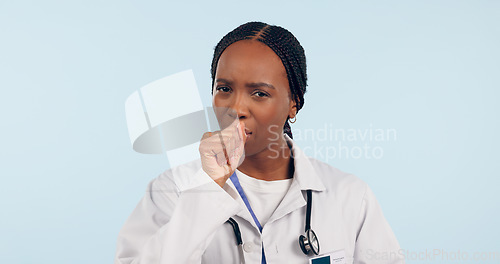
181 219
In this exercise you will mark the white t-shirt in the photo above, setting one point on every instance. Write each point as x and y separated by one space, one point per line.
263 196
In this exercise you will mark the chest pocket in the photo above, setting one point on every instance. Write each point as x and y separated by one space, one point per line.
222 247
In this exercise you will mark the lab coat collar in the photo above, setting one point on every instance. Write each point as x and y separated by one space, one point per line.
304 178
305 174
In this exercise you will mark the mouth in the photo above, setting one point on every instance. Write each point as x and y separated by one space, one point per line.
248 133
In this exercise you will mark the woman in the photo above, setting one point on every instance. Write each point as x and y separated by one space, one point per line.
252 182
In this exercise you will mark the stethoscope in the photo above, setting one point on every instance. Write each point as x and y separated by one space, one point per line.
308 243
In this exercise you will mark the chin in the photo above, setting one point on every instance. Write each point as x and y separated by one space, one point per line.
250 150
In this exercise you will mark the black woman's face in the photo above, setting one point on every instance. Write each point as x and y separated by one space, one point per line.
251 80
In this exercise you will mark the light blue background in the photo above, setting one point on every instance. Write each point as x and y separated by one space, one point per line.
428 69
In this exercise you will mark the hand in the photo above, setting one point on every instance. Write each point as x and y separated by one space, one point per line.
223 151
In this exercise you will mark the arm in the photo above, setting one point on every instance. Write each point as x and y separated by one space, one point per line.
375 241
184 207
169 226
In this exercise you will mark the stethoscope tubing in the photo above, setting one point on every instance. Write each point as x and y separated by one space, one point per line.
237 234
307 228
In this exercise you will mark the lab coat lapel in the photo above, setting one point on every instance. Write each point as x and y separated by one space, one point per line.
243 213
304 172
304 178
292 201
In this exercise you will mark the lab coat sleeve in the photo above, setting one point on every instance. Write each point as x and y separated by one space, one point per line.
169 226
375 241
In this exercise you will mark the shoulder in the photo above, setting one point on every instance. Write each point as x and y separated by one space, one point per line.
337 181
344 191
164 190
177 178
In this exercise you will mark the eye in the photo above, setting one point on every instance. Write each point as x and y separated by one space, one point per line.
223 89
261 94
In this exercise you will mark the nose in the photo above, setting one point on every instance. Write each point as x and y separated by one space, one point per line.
239 107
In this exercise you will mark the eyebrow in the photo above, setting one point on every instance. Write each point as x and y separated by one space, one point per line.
250 85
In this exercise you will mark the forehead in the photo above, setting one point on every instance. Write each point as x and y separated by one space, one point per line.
251 59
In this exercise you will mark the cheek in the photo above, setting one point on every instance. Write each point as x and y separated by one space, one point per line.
224 114
272 120
215 101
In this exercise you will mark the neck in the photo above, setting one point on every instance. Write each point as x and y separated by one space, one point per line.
269 165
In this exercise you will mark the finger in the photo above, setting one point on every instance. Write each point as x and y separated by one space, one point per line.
241 133
224 148
206 135
221 159
238 157
221 144
238 138
230 137
208 143
235 133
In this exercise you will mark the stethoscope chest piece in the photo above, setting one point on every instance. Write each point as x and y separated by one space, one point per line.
309 242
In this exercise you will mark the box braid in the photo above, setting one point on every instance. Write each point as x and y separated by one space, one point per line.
284 44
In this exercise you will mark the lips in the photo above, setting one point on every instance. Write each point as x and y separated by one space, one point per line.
248 133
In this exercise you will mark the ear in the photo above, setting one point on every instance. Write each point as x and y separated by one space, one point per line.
292 112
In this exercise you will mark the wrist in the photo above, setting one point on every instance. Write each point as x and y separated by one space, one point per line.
222 180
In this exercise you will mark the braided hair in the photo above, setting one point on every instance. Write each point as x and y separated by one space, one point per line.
284 44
